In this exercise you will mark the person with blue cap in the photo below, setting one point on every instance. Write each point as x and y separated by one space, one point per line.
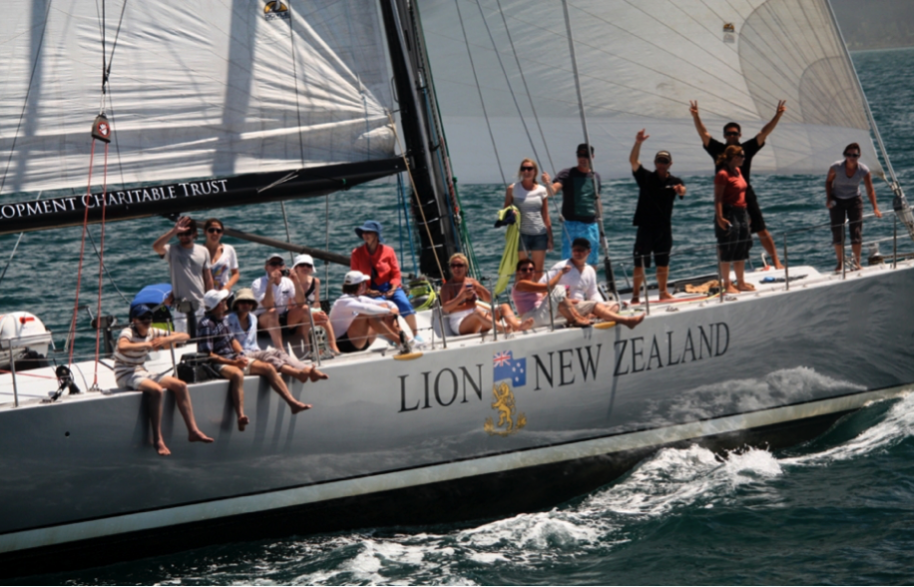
379 262
133 346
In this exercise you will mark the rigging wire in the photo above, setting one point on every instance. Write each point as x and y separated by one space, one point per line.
105 265
82 249
485 113
101 267
15 248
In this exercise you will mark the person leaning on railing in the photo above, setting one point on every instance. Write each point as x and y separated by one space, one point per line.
844 200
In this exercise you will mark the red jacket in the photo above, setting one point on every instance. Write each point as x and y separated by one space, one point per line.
383 262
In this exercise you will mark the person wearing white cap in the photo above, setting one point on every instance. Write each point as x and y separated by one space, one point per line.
218 341
277 309
360 319
308 295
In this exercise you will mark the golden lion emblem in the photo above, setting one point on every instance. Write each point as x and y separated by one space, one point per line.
504 403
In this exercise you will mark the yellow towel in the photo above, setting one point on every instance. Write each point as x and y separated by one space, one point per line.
510 256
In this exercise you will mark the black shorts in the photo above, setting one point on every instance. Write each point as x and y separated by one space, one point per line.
658 241
852 209
757 222
735 242
345 345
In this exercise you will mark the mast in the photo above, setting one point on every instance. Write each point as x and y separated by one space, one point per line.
429 202
899 202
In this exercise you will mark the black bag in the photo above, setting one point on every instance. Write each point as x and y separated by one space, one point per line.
196 368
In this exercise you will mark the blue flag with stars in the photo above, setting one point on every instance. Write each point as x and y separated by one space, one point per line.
507 367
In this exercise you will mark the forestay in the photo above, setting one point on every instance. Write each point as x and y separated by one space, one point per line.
640 63
197 90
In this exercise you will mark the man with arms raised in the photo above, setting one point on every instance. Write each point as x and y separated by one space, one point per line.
580 283
358 319
653 216
732 134
189 264
275 294
218 340
130 356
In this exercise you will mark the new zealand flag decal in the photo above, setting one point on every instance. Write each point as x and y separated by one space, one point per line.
507 367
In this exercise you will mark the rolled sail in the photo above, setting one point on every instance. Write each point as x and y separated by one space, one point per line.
197 91
640 64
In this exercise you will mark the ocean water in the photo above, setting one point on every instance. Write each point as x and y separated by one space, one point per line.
838 509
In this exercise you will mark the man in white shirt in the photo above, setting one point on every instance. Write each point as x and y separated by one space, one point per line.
581 287
277 309
358 319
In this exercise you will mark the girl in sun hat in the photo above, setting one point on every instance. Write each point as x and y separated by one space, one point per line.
379 262
308 295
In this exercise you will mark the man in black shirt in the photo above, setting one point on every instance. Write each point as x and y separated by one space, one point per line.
653 216
732 134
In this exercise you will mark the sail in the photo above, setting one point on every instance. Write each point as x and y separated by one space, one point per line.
197 90
640 63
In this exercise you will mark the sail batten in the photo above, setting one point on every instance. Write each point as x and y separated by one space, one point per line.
640 63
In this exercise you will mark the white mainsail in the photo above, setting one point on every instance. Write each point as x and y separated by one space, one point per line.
640 64
197 89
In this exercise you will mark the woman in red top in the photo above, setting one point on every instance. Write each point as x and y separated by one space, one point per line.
379 261
732 220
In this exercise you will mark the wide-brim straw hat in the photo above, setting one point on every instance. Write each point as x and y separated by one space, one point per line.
245 294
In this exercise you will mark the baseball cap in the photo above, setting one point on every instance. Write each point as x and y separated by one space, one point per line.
354 278
212 298
275 256
664 154
140 310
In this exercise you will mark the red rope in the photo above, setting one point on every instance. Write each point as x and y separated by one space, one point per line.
82 250
101 266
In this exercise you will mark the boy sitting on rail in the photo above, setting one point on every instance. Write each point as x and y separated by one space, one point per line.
217 340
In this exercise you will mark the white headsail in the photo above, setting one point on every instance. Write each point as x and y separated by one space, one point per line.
197 89
640 63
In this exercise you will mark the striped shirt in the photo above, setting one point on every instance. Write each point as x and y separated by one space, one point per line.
127 362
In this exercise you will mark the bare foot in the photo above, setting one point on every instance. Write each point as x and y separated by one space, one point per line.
526 324
745 287
162 449
634 301
632 321
303 376
243 421
665 295
778 265
838 268
731 289
299 407
197 436
317 375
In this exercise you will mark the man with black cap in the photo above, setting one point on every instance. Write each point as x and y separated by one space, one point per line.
732 134
581 205
133 346
277 308
653 216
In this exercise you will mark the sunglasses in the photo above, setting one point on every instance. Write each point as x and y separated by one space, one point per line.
527 168
214 230
526 270
732 133
276 263
852 155
456 265
309 266
251 302
662 161
583 156
145 318
580 251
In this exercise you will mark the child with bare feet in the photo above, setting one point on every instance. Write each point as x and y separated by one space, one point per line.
580 283
130 355
458 302
218 341
532 297
244 326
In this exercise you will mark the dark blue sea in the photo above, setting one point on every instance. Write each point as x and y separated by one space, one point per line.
837 510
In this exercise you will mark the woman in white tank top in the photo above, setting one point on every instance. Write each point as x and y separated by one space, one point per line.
530 199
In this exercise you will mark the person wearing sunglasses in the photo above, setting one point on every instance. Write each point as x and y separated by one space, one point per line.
308 296
732 135
844 201
277 312
731 218
458 301
653 216
530 199
134 344
529 295
581 205
189 264
224 261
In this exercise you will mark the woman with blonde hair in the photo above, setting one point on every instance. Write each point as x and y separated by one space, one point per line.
530 198
732 218
458 302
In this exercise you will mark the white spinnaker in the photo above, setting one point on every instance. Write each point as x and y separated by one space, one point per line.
640 63
197 89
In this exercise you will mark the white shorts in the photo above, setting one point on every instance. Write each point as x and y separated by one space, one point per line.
540 314
586 307
455 318
130 381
